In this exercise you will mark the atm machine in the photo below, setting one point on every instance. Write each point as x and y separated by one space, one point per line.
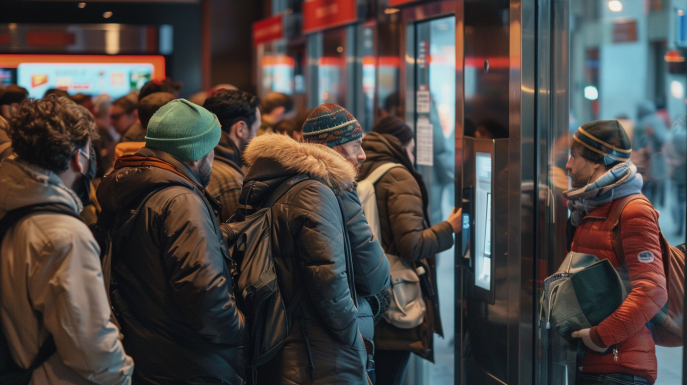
485 256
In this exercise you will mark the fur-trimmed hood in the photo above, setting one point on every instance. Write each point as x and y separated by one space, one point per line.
316 160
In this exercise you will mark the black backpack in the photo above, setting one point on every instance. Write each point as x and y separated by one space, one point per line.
255 278
10 372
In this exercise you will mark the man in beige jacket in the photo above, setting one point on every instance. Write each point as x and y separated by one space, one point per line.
50 276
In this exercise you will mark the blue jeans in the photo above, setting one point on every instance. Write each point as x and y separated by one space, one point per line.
610 379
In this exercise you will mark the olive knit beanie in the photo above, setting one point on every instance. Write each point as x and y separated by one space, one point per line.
183 129
331 125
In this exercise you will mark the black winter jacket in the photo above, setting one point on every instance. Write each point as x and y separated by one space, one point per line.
324 345
182 325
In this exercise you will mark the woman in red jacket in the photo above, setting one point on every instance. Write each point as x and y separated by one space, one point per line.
620 349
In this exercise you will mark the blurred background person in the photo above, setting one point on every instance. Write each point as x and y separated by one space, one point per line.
56 91
675 150
10 99
650 133
274 108
123 115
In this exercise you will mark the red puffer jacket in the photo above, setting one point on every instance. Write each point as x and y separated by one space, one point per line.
626 327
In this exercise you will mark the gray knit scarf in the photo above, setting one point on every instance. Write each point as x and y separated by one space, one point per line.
620 181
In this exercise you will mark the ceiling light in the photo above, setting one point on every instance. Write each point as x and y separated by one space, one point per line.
676 89
82 5
591 93
107 14
389 11
615 6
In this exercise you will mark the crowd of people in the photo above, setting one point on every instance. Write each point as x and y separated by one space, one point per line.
115 223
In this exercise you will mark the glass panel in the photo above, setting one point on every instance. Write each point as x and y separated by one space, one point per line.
367 52
332 68
389 61
277 68
435 149
627 63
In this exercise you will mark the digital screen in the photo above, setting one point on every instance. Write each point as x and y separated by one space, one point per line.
483 223
278 74
87 74
116 80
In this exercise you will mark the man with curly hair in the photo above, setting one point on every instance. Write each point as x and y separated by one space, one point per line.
51 285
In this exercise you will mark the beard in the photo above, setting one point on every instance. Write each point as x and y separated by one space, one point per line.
204 172
352 160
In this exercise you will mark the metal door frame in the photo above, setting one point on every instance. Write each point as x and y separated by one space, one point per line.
412 15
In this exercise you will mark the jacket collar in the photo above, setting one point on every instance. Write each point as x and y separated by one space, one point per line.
171 159
25 184
227 152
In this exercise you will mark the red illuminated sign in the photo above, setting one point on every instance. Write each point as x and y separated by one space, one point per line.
56 39
268 29
323 14
400 2
5 38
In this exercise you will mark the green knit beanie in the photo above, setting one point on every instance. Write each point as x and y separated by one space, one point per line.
183 129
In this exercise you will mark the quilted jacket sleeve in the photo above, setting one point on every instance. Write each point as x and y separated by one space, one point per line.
404 205
316 217
370 266
642 249
199 276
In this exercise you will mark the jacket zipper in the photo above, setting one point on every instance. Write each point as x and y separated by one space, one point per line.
311 365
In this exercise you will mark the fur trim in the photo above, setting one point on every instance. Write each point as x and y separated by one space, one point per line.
316 160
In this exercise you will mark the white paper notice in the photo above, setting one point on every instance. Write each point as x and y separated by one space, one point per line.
423 102
425 143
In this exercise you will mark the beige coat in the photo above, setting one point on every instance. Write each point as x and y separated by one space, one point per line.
51 283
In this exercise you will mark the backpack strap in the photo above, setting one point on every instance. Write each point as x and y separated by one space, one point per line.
48 347
380 171
616 240
284 187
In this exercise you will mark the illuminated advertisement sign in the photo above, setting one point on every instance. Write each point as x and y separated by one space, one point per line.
94 79
87 74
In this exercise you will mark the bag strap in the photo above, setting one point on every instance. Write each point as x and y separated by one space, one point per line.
616 240
48 347
348 253
380 171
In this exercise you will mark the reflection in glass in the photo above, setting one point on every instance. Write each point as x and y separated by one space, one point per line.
332 68
647 97
435 152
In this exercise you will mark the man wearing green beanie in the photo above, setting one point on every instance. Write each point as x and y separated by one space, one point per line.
173 294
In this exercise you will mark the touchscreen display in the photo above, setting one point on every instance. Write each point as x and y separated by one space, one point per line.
483 204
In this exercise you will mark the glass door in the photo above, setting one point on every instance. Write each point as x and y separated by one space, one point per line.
435 117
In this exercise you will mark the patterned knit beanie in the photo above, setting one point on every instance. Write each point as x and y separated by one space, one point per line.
606 138
331 125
